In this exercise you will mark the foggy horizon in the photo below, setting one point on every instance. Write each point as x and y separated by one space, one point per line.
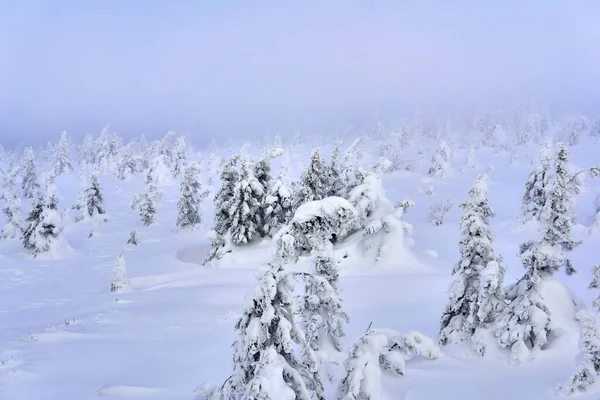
236 69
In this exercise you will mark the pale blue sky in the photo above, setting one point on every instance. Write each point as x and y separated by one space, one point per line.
232 68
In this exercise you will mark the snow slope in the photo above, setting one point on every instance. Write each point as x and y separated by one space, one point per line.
63 335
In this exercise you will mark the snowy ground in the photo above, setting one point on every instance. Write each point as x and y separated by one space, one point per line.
63 335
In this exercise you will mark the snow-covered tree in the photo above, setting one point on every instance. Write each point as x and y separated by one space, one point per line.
266 365
147 203
314 183
103 150
61 162
440 163
120 281
87 150
262 172
44 233
244 206
221 241
557 211
381 350
91 201
13 227
525 323
277 205
191 197
588 367
536 187
127 161
29 181
476 296
351 172
158 173
180 157
336 178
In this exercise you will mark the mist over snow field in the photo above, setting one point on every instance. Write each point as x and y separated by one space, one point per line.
65 335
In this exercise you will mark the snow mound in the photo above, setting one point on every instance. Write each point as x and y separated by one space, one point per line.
328 207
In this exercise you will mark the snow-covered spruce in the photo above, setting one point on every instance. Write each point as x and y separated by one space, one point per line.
336 178
29 182
595 284
588 366
351 173
269 196
525 324
44 232
13 227
381 350
314 183
244 205
476 296
90 203
440 163
277 206
189 206
536 187
265 362
61 162
221 242
180 157
438 211
158 173
147 203
128 163
120 281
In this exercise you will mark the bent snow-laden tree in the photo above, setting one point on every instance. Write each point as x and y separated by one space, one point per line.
383 229
265 362
526 322
476 296
189 205
277 206
381 350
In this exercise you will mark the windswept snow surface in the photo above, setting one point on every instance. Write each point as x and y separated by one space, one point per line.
63 335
